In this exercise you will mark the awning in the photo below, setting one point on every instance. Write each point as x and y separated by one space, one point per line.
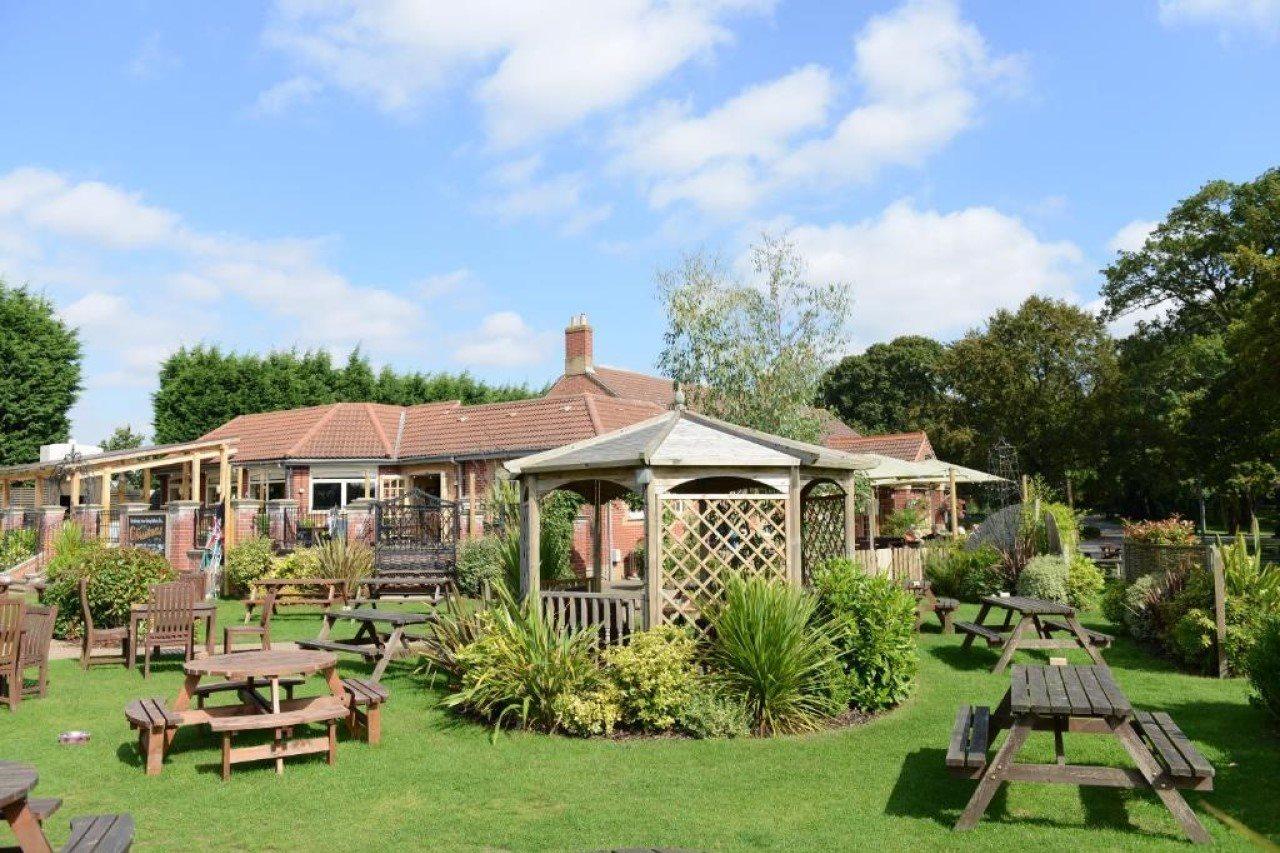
889 471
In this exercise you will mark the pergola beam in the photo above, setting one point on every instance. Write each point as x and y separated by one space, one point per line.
530 540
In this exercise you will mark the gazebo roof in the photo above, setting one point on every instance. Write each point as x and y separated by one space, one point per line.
681 438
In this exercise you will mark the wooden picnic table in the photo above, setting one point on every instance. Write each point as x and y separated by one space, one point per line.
1038 621
205 610
1083 700
16 782
927 602
332 591
370 641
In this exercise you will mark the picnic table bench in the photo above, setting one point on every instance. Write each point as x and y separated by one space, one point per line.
1037 621
26 814
322 592
370 642
927 602
1084 700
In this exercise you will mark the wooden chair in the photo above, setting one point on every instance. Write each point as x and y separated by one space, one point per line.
37 635
262 630
100 638
12 611
197 581
171 621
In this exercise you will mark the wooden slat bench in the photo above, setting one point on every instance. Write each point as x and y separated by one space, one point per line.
201 692
156 727
364 703
967 751
993 637
1096 638
328 592
108 833
1184 764
42 808
321 709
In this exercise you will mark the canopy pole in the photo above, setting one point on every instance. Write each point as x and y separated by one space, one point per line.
955 504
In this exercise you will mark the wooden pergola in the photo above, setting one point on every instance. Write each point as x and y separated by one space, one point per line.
719 499
185 461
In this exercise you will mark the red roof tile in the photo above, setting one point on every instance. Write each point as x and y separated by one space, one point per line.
615 382
910 446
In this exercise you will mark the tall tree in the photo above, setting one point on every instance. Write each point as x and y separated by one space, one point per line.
202 387
752 352
893 387
40 379
123 438
1028 376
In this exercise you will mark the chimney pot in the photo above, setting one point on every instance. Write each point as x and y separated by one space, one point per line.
578 345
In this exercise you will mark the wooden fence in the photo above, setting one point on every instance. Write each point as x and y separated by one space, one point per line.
614 616
901 564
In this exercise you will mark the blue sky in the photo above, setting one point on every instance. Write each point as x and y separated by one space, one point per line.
445 184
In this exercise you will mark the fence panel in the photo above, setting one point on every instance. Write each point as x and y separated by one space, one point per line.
615 617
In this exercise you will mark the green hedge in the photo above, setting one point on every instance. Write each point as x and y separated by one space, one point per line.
118 577
1264 667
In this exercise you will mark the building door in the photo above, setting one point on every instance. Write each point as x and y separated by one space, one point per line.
428 484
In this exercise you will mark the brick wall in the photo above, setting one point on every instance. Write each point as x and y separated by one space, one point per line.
299 487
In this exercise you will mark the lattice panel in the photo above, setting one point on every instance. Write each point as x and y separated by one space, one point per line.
707 539
822 529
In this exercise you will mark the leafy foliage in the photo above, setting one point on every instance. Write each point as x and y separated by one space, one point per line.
958 572
555 541
1045 577
1085 583
589 714
749 354
345 561
906 520
711 713
873 622
654 675
893 387
1264 667
1168 531
202 387
480 559
118 577
41 376
767 647
457 623
248 561
16 546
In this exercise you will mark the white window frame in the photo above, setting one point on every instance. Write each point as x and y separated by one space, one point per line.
352 489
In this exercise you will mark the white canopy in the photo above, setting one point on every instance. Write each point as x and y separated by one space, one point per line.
889 471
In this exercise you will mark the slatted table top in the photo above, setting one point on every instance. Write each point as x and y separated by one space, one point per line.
16 781
264 582
272 664
390 617
1067 691
1032 606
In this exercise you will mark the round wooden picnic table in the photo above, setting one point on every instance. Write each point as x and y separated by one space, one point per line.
16 782
264 665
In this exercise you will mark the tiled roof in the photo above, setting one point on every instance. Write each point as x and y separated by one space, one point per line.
615 382
371 431
910 446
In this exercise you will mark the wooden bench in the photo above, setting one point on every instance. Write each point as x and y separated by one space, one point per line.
42 808
203 691
993 638
364 703
321 709
156 727
106 833
1181 761
945 609
1096 638
334 591
967 751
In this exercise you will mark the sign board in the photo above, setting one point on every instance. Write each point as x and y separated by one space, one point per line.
146 531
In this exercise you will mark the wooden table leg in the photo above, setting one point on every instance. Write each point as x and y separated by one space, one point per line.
982 614
134 620
26 829
279 733
210 629
1073 622
1159 782
388 650
1011 645
335 683
189 684
994 776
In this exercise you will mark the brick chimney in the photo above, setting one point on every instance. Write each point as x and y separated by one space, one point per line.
577 346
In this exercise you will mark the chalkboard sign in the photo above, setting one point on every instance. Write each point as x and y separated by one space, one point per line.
146 531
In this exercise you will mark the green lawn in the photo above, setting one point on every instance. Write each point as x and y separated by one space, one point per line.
440 783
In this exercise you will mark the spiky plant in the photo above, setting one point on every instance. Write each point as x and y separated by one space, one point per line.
345 561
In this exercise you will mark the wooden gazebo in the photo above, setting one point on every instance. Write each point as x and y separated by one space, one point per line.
719 499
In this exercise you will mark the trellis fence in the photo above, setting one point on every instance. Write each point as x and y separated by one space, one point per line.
1146 558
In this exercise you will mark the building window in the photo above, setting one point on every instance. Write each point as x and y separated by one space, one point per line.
331 494
275 491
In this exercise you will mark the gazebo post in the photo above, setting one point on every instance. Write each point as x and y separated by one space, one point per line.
530 539
652 551
873 510
850 486
75 489
224 494
795 574
603 576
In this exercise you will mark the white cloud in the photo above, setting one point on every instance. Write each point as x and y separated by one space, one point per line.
922 271
504 339
1132 236
152 59
921 69
521 193
541 67
94 211
1245 16
285 94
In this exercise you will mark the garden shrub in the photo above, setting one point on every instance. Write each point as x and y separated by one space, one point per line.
1068 524
1045 577
349 562
299 564
1085 582
15 547
710 713
873 627
1168 531
589 714
248 561
479 560
456 624
118 578
907 520
1113 598
1263 667
1140 617
767 647
521 665
654 675
957 572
